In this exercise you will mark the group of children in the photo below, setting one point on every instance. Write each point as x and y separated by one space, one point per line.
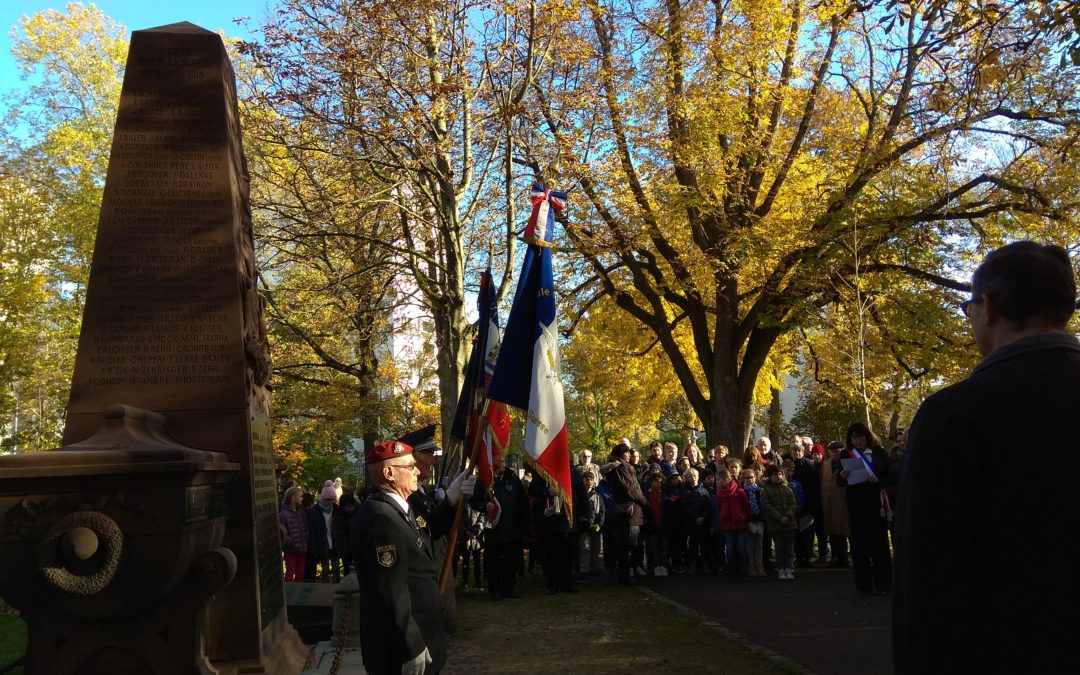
719 520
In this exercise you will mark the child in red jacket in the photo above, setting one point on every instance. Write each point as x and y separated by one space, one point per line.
733 507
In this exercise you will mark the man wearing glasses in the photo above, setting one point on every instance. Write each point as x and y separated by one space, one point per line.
401 616
985 559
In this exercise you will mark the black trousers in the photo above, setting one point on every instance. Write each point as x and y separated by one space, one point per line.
470 557
870 555
502 559
839 545
557 559
819 530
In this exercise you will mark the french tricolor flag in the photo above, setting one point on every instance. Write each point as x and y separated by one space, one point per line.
527 371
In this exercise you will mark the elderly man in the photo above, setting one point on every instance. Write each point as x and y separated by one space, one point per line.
401 616
585 463
985 558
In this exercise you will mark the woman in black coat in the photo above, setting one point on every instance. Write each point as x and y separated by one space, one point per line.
867 510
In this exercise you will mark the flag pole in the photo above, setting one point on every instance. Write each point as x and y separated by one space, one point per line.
453 447
452 535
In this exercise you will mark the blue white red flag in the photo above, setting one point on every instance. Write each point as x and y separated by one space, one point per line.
527 371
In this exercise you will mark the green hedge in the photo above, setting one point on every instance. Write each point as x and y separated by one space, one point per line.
12 638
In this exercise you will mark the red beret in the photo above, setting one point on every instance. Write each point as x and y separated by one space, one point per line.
388 450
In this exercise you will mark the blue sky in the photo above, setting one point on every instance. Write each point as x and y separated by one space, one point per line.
135 15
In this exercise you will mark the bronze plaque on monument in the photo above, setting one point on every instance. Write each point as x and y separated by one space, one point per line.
173 321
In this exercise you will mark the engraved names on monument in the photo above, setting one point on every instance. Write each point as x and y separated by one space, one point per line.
166 271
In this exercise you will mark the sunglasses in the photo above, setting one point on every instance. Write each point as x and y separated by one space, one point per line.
965 306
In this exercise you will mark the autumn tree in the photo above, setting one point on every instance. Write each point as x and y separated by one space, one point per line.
724 148
618 384
54 151
415 98
328 276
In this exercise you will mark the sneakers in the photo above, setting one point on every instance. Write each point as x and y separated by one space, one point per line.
659 571
786 574
639 571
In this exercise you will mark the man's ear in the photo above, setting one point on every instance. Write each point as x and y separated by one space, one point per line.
991 314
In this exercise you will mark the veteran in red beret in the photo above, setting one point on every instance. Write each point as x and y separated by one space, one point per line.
401 616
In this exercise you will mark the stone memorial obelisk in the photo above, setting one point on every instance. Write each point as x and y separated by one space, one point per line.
174 324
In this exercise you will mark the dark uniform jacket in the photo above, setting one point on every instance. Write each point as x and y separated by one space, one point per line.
400 609
986 546
513 506
438 520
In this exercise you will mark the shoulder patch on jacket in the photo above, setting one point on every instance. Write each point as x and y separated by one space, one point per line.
386 555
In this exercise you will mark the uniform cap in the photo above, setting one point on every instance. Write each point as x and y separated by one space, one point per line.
421 440
387 450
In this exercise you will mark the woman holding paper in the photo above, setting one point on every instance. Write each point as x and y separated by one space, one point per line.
863 468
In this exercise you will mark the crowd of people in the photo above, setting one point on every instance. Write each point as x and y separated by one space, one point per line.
691 512
671 511
315 533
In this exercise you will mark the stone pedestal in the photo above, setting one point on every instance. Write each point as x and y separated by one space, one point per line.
111 548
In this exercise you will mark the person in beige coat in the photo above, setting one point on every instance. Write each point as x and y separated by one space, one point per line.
834 507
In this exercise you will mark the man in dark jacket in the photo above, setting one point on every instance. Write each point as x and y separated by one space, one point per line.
985 560
401 615
506 509
807 475
628 505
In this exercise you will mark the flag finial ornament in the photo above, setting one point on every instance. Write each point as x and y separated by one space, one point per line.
546 204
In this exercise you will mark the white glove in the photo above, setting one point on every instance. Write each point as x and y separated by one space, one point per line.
462 485
417 665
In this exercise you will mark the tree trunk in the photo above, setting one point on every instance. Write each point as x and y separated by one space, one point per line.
728 419
776 418
451 333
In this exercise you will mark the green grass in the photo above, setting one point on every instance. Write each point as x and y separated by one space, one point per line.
605 628
12 641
